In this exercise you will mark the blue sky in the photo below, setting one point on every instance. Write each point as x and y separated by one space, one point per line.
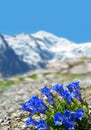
65 18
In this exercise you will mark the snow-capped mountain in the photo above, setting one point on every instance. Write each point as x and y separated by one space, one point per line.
10 64
36 50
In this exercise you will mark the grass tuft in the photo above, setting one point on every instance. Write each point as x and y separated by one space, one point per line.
33 76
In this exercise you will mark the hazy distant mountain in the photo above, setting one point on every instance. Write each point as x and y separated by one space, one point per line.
20 53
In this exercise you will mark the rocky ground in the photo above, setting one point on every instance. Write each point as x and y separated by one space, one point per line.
11 99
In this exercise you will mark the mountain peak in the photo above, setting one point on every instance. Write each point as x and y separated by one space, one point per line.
42 34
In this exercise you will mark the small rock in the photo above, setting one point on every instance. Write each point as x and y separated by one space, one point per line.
1 120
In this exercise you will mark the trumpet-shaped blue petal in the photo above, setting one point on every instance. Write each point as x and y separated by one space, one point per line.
58 119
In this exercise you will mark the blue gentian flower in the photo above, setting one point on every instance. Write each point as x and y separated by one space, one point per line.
67 114
67 96
40 107
75 94
69 124
75 90
26 107
79 114
58 119
58 88
35 105
50 98
46 91
73 85
31 122
42 125
29 105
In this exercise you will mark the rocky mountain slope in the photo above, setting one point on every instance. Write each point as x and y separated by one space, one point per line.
10 64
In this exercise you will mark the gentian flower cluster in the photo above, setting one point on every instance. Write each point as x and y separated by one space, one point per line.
57 113
68 118
40 125
74 91
35 105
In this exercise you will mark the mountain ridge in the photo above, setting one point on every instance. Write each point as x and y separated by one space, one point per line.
41 48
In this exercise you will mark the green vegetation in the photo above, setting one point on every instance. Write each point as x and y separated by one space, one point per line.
84 58
21 79
45 74
7 83
61 73
64 76
33 76
69 76
75 76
